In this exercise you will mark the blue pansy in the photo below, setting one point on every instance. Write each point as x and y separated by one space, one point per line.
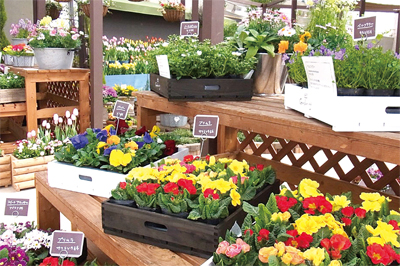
147 138
79 141
108 150
96 130
113 131
102 135
140 144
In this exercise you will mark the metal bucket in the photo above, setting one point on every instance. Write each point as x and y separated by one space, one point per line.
54 58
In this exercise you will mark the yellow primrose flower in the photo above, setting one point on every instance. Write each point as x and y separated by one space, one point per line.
236 167
211 161
339 202
200 164
335 263
222 185
213 174
154 132
142 173
113 140
387 233
224 160
306 224
374 239
235 197
100 145
265 252
175 176
316 255
283 217
309 188
280 246
393 212
287 258
371 206
132 145
45 21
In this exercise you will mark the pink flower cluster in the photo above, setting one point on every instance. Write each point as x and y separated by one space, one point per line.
233 250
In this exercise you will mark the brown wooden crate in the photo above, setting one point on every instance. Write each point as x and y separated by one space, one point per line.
12 95
177 234
207 89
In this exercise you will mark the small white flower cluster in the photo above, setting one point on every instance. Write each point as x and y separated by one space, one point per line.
8 238
34 240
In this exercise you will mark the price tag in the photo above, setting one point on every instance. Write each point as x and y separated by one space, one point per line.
120 110
364 27
205 126
320 74
66 244
16 207
163 66
190 28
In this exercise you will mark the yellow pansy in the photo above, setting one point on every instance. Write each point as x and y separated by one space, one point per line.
235 197
154 132
339 202
100 145
108 128
375 239
116 157
132 145
126 158
113 140
316 255
309 188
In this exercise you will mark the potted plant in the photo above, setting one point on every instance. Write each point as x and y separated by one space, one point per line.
21 31
53 39
172 11
84 5
22 54
53 9
12 88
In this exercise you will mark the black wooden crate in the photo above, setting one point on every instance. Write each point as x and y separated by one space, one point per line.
177 234
204 89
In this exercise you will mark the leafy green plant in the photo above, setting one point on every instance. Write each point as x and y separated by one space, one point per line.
207 208
11 81
256 41
3 18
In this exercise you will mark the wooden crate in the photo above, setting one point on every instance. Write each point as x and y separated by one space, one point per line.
177 234
196 90
23 170
5 170
12 95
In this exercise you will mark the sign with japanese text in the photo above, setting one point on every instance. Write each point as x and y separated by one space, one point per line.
163 66
320 74
205 126
365 28
16 207
190 28
66 244
121 109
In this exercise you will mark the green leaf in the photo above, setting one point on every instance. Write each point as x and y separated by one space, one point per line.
252 51
250 209
269 48
271 205
273 261
249 193
321 234
247 222
352 262
254 32
3 253
194 214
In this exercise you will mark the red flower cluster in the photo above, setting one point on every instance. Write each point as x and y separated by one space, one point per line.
188 185
148 188
259 167
210 191
298 241
360 213
394 224
18 47
122 185
284 203
263 235
335 245
248 230
178 188
170 147
171 188
51 261
318 203
385 255
190 168
188 158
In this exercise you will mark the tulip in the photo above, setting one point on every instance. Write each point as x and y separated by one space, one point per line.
67 114
75 112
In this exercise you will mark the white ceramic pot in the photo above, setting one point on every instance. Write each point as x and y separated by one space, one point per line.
54 58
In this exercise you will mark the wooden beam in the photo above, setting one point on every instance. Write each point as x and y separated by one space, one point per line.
362 8
213 21
96 62
294 8
398 33
195 10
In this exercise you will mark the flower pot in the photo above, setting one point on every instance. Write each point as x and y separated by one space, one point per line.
15 41
378 92
183 215
396 92
350 92
171 120
86 9
54 58
128 203
171 15
53 12
23 61
270 75
8 59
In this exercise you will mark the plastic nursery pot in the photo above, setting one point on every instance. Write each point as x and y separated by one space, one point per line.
378 92
128 203
183 215
350 92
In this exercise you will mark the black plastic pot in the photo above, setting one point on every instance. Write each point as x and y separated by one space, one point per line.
350 92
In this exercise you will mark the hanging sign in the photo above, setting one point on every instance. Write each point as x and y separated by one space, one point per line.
120 110
16 207
190 28
205 126
364 27
163 66
66 244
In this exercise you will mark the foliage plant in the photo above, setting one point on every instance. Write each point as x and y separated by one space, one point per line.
205 188
11 81
3 18
181 136
305 227
54 34
189 58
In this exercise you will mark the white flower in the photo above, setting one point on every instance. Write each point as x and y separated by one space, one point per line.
67 114
73 117
44 123
165 44
60 120
33 133
55 118
183 55
159 141
69 122
42 153
75 112
199 52
29 135
41 36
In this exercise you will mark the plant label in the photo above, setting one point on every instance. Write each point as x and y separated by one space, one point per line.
190 28
66 244
320 74
163 66
16 207
205 126
364 28
120 110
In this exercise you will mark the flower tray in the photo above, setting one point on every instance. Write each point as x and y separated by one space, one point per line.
345 113
207 89
90 180
5 171
177 234
12 95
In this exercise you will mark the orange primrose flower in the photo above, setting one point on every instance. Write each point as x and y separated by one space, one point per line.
283 46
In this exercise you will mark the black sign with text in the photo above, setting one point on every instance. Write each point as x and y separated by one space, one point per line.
205 126
17 207
190 28
66 244
121 109
364 27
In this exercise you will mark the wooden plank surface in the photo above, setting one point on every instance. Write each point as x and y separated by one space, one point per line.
84 211
268 116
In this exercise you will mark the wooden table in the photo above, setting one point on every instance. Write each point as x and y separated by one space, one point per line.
76 96
84 212
267 117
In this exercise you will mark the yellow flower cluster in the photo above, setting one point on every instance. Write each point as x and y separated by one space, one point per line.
279 216
239 167
309 188
311 224
339 202
316 255
288 254
373 201
383 234
117 158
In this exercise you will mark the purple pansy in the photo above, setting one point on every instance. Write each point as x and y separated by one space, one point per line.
102 135
140 144
108 150
147 138
79 141
96 130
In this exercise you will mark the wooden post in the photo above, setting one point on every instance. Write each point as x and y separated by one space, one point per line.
195 10
146 117
47 215
84 118
398 33
39 9
294 8
96 62
362 8
31 109
213 20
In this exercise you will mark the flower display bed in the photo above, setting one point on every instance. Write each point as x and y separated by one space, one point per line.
12 95
90 180
23 170
5 171
351 113
204 89
177 234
